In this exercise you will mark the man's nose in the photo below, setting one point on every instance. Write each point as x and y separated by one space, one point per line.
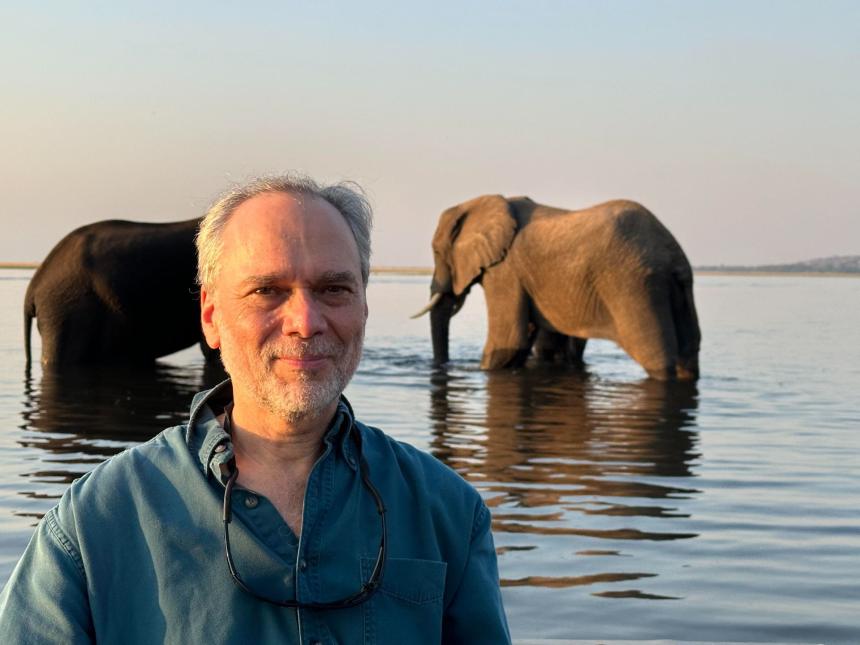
303 315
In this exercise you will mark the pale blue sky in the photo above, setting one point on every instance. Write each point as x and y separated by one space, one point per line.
737 123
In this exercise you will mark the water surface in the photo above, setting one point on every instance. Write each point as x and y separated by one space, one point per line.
623 508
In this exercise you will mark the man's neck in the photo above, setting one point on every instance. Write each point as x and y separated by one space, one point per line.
275 457
267 442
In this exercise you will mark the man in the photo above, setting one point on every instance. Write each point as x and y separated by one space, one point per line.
334 532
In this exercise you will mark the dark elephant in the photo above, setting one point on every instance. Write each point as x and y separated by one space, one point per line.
554 278
116 292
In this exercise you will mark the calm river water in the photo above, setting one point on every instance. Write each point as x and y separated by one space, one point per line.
623 508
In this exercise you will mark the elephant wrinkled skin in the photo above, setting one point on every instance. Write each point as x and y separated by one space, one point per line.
554 278
116 292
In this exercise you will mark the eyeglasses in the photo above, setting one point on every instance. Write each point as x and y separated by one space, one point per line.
367 588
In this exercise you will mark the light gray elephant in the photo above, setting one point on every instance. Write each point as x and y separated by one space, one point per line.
554 278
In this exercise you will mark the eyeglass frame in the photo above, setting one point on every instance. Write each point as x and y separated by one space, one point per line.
367 588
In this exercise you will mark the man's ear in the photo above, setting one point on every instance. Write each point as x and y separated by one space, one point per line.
208 319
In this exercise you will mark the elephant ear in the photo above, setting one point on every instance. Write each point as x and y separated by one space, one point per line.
481 235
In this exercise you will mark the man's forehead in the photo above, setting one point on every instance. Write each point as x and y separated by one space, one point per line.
287 216
274 233
277 205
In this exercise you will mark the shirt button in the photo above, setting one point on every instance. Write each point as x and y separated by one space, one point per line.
251 501
303 564
220 447
316 642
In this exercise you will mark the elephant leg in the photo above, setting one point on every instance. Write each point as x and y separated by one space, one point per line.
74 333
553 347
687 330
575 350
508 339
645 329
549 346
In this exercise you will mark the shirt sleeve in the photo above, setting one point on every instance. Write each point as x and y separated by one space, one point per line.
475 614
45 600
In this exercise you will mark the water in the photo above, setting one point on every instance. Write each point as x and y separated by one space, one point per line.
623 508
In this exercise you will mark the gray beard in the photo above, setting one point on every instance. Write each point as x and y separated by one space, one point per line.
307 397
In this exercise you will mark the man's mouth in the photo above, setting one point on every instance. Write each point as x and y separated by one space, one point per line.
306 362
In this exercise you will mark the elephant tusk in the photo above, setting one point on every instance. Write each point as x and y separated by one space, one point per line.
436 298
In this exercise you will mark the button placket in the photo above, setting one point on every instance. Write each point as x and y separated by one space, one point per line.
317 500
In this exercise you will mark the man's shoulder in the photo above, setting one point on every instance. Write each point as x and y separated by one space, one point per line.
414 465
116 474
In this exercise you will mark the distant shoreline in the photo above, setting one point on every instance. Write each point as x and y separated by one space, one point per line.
429 271
403 270
777 274
19 265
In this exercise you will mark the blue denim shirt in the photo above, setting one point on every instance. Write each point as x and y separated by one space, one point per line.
134 551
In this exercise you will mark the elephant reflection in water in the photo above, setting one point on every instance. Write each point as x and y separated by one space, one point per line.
558 439
72 411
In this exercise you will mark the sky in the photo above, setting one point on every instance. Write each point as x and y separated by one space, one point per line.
736 123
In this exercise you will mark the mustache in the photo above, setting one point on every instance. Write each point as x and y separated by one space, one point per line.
302 348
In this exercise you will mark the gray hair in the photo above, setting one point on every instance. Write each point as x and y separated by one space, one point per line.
347 197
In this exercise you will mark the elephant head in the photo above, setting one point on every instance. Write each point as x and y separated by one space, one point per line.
470 238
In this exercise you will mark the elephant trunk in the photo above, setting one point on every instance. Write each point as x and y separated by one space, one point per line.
440 319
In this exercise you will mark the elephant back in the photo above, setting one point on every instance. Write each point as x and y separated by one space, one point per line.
576 264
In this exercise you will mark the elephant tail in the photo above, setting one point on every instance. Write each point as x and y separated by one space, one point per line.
29 314
686 326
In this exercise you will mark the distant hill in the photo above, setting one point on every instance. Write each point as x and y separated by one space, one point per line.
833 264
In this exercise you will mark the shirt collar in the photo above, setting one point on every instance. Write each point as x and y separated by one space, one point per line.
204 433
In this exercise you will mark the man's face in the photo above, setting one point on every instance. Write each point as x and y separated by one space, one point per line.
287 307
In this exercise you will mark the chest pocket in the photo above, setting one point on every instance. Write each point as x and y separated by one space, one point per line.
407 607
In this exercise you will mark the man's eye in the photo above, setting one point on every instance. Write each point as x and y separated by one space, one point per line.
265 291
335 289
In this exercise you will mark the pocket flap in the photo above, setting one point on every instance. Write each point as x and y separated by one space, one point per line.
415 581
